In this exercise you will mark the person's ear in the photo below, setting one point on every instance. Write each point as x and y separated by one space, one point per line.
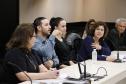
39 28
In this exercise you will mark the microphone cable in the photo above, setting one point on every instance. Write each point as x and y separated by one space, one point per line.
14 65
95 75
99 77
103 69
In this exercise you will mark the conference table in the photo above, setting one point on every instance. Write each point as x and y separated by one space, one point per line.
116 72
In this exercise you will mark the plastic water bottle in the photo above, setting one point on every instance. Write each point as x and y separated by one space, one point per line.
94 55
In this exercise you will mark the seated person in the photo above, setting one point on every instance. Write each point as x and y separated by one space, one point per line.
21 59
96 41
88 28
44 46
61 48
116 39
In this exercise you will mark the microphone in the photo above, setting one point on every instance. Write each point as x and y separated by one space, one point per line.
118 60
14 65
84 69
77 44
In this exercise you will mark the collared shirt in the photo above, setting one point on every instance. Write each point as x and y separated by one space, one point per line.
45 49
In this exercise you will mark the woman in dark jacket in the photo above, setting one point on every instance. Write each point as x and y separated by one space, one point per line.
61 48
21 59
96 41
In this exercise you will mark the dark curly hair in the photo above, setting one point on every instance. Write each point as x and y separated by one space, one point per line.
97 24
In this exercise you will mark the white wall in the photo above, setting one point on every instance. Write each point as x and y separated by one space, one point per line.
106 10
72 10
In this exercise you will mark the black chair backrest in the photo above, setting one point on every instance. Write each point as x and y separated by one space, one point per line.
77 44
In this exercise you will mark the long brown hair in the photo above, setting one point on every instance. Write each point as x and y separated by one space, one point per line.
21 36
88 26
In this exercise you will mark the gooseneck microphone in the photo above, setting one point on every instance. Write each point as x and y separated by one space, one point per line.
118 60
84 70
14 65
77 45
79 65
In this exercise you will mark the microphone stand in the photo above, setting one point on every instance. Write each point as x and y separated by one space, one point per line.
84 75
118 60
79 65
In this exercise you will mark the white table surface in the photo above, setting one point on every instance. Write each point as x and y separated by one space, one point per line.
116 72
122 54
